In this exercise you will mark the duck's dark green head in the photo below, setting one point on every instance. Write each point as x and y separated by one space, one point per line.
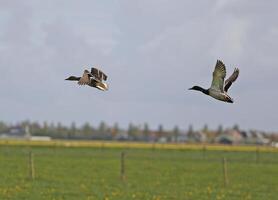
198 88
73 78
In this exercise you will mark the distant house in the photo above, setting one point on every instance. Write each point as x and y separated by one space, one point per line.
16 132
121 136
162 139
260 138
197 136
106 135
153 136
255 137
180 138
230 136
20 133
40 138
274 144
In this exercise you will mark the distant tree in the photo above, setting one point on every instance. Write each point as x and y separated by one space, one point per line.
34 127
45 125
51 131
51 126
236 127
160 128
3 126
73 127
63 131
146 130
59 127
176 132
72 132
115 130
25 123
102 127
86 130
220 129
205 129
190 129
134 132
131 130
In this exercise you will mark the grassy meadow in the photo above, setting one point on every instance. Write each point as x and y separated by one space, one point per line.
65 170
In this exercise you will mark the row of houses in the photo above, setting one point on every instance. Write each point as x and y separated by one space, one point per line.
22 133
246 137
229 136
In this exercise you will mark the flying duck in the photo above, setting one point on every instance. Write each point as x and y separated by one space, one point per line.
219 88
94 78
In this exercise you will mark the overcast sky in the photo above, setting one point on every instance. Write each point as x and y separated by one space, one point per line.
152 51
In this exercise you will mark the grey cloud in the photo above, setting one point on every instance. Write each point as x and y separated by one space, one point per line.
153 51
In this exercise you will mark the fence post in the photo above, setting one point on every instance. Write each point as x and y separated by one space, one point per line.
257 155
123 166
204 151
102 146
225 172
153 146
31 166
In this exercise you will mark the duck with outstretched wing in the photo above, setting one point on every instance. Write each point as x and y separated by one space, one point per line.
219 87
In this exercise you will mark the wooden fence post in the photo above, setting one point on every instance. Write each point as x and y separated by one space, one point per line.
123 166
225 172
31 166
153 146
102 146
204 151
257 155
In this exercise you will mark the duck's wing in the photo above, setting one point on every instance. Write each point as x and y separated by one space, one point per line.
231 79
98 74
85 79
219 75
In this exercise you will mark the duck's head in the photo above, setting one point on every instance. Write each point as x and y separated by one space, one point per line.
198 88
73 78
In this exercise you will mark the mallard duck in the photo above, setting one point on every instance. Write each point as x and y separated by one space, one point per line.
219 88
94 78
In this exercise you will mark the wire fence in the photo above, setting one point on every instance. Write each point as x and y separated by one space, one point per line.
141 168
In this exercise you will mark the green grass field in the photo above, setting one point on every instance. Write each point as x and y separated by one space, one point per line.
94 173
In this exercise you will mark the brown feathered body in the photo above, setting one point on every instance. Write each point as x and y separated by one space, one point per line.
93 79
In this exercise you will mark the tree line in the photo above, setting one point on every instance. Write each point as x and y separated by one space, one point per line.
105 132
87 131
